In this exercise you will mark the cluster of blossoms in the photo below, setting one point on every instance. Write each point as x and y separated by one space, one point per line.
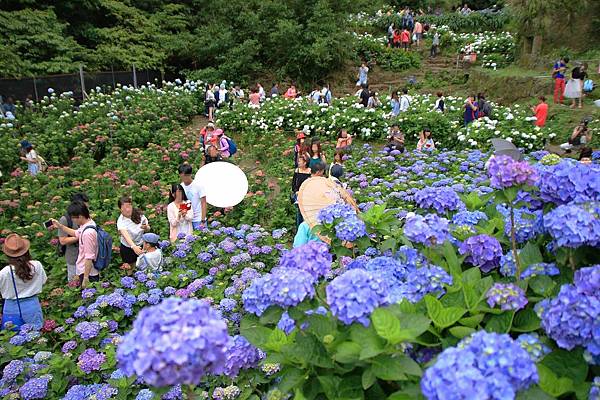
506 295
482 366
241 355
348 227
313 257
504 172
429 230
572 317
482 251
528 224
468 217
90 360
95 391
176 342
572 225
441 199
533 345
568 182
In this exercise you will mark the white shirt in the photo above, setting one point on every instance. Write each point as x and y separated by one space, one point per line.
222 95
404 103
150 261
195 192
261 93
135 230
32 155
24 288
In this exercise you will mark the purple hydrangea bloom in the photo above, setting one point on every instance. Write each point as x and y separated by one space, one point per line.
528 224
505 172
175 393
241 354
227 305
573 226
508 267
335 211
35 388
128 282
506 295
532 344
569 181
69 346
595 389
95 391
286 323
354 295
88 330
88 293
313 257
284 287
425 280
468 217
177 341
90 360
482 366
587 280
429 230
441 199
350 229
13 369
205 257
482 251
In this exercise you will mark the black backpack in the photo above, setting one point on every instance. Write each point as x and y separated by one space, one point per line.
62 249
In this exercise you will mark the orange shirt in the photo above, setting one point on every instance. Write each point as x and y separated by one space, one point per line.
541 113
418 27
405 37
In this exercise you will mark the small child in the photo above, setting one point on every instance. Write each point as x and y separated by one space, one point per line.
152 258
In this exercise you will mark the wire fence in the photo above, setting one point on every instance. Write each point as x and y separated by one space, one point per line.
35 88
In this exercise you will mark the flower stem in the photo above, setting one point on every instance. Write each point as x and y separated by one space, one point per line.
190 393
513 241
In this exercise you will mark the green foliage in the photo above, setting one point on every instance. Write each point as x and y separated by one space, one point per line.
474 22
374 51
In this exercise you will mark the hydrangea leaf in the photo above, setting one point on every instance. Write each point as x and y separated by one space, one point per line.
368 378
542 285
500 323
395 367
461 331
347 352
526 321
387 325
569 364
552 384
530 254
253 332
441 316
372 344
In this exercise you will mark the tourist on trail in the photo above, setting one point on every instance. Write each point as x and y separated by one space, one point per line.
405 39
558 73
210 102
326 94
275 90
425 141
206 134
222 144
470 112
439 105
9 106
255 97
374 101
315 95
344 141
582 135
484 109
316 154
30 155
404 101
151 259
300 147
541 112
465 10
336 172
195 192
302 173
222 96
261 92
435 44
364 94
396 138
238 95
20 283
88 242
397 40
574 87
363 74
418 32
131 225
390 35
179 213
395 104
304 235
291 92
212 154
69 244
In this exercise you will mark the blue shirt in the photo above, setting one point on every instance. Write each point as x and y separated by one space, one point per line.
304 235
560 74
395 107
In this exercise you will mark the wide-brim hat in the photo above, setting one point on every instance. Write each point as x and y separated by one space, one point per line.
15 245
151 238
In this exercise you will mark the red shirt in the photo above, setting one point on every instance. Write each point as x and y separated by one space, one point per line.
405 36
397 37
541 112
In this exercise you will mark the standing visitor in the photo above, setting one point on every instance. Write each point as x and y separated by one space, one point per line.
404 101
9 106
470 112
205 134
299 147
255 97
222 96
425 141
574 87
238 94
33 164
344 141
151 259
465 10
374 101
179 213
275 90
405 39
397 38
558 73
396 138
439 105
261 92
316 155
390 35
210 102
222 144
131 225
301 174
541 112
20 283
315 95
435 45
291 93
88 242
363 74
484 109
195 192
212 154
395 104
364 95
326 94
418 32
304 235
69 245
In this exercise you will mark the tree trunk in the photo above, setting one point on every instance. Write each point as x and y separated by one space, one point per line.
536 47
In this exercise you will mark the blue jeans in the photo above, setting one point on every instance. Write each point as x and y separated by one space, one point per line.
30 309
299 217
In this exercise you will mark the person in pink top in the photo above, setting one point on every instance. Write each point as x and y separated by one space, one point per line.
221 143
88 242
291 92
418 31
541 112
179 213
405 39
255 97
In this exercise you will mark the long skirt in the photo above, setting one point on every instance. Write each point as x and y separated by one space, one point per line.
573 89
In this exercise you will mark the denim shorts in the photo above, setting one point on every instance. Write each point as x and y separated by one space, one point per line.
31 310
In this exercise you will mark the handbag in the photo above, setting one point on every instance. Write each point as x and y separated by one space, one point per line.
15 319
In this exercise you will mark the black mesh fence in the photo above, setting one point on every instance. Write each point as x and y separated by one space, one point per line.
36 88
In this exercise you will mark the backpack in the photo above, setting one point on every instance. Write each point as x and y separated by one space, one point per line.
588 85
104 247
60 248
42 163
232 146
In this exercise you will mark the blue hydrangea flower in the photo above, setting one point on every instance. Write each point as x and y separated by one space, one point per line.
354 295
569 181
504 172
482 366
573 226
13 369
241 354
482 251
284 287
88 330
532 344
506 295
335 211
508 267
548 269
425 280
144 394
587 280
440 199
468 217
429 230
35 388
595 389
95 391
227 305
90 360
528 224
350 229
286 323
178 341
313 257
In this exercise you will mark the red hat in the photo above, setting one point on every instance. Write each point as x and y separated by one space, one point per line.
300 135
15 245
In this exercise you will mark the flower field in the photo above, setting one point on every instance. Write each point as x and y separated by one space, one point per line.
457 280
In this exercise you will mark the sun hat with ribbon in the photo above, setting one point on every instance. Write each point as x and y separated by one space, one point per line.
15 245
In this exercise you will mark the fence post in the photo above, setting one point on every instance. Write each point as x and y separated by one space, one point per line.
37 98
134 77
112 73
81 78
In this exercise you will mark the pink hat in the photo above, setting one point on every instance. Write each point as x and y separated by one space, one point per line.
219 132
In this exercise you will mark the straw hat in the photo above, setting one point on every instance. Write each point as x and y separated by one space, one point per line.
15 245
